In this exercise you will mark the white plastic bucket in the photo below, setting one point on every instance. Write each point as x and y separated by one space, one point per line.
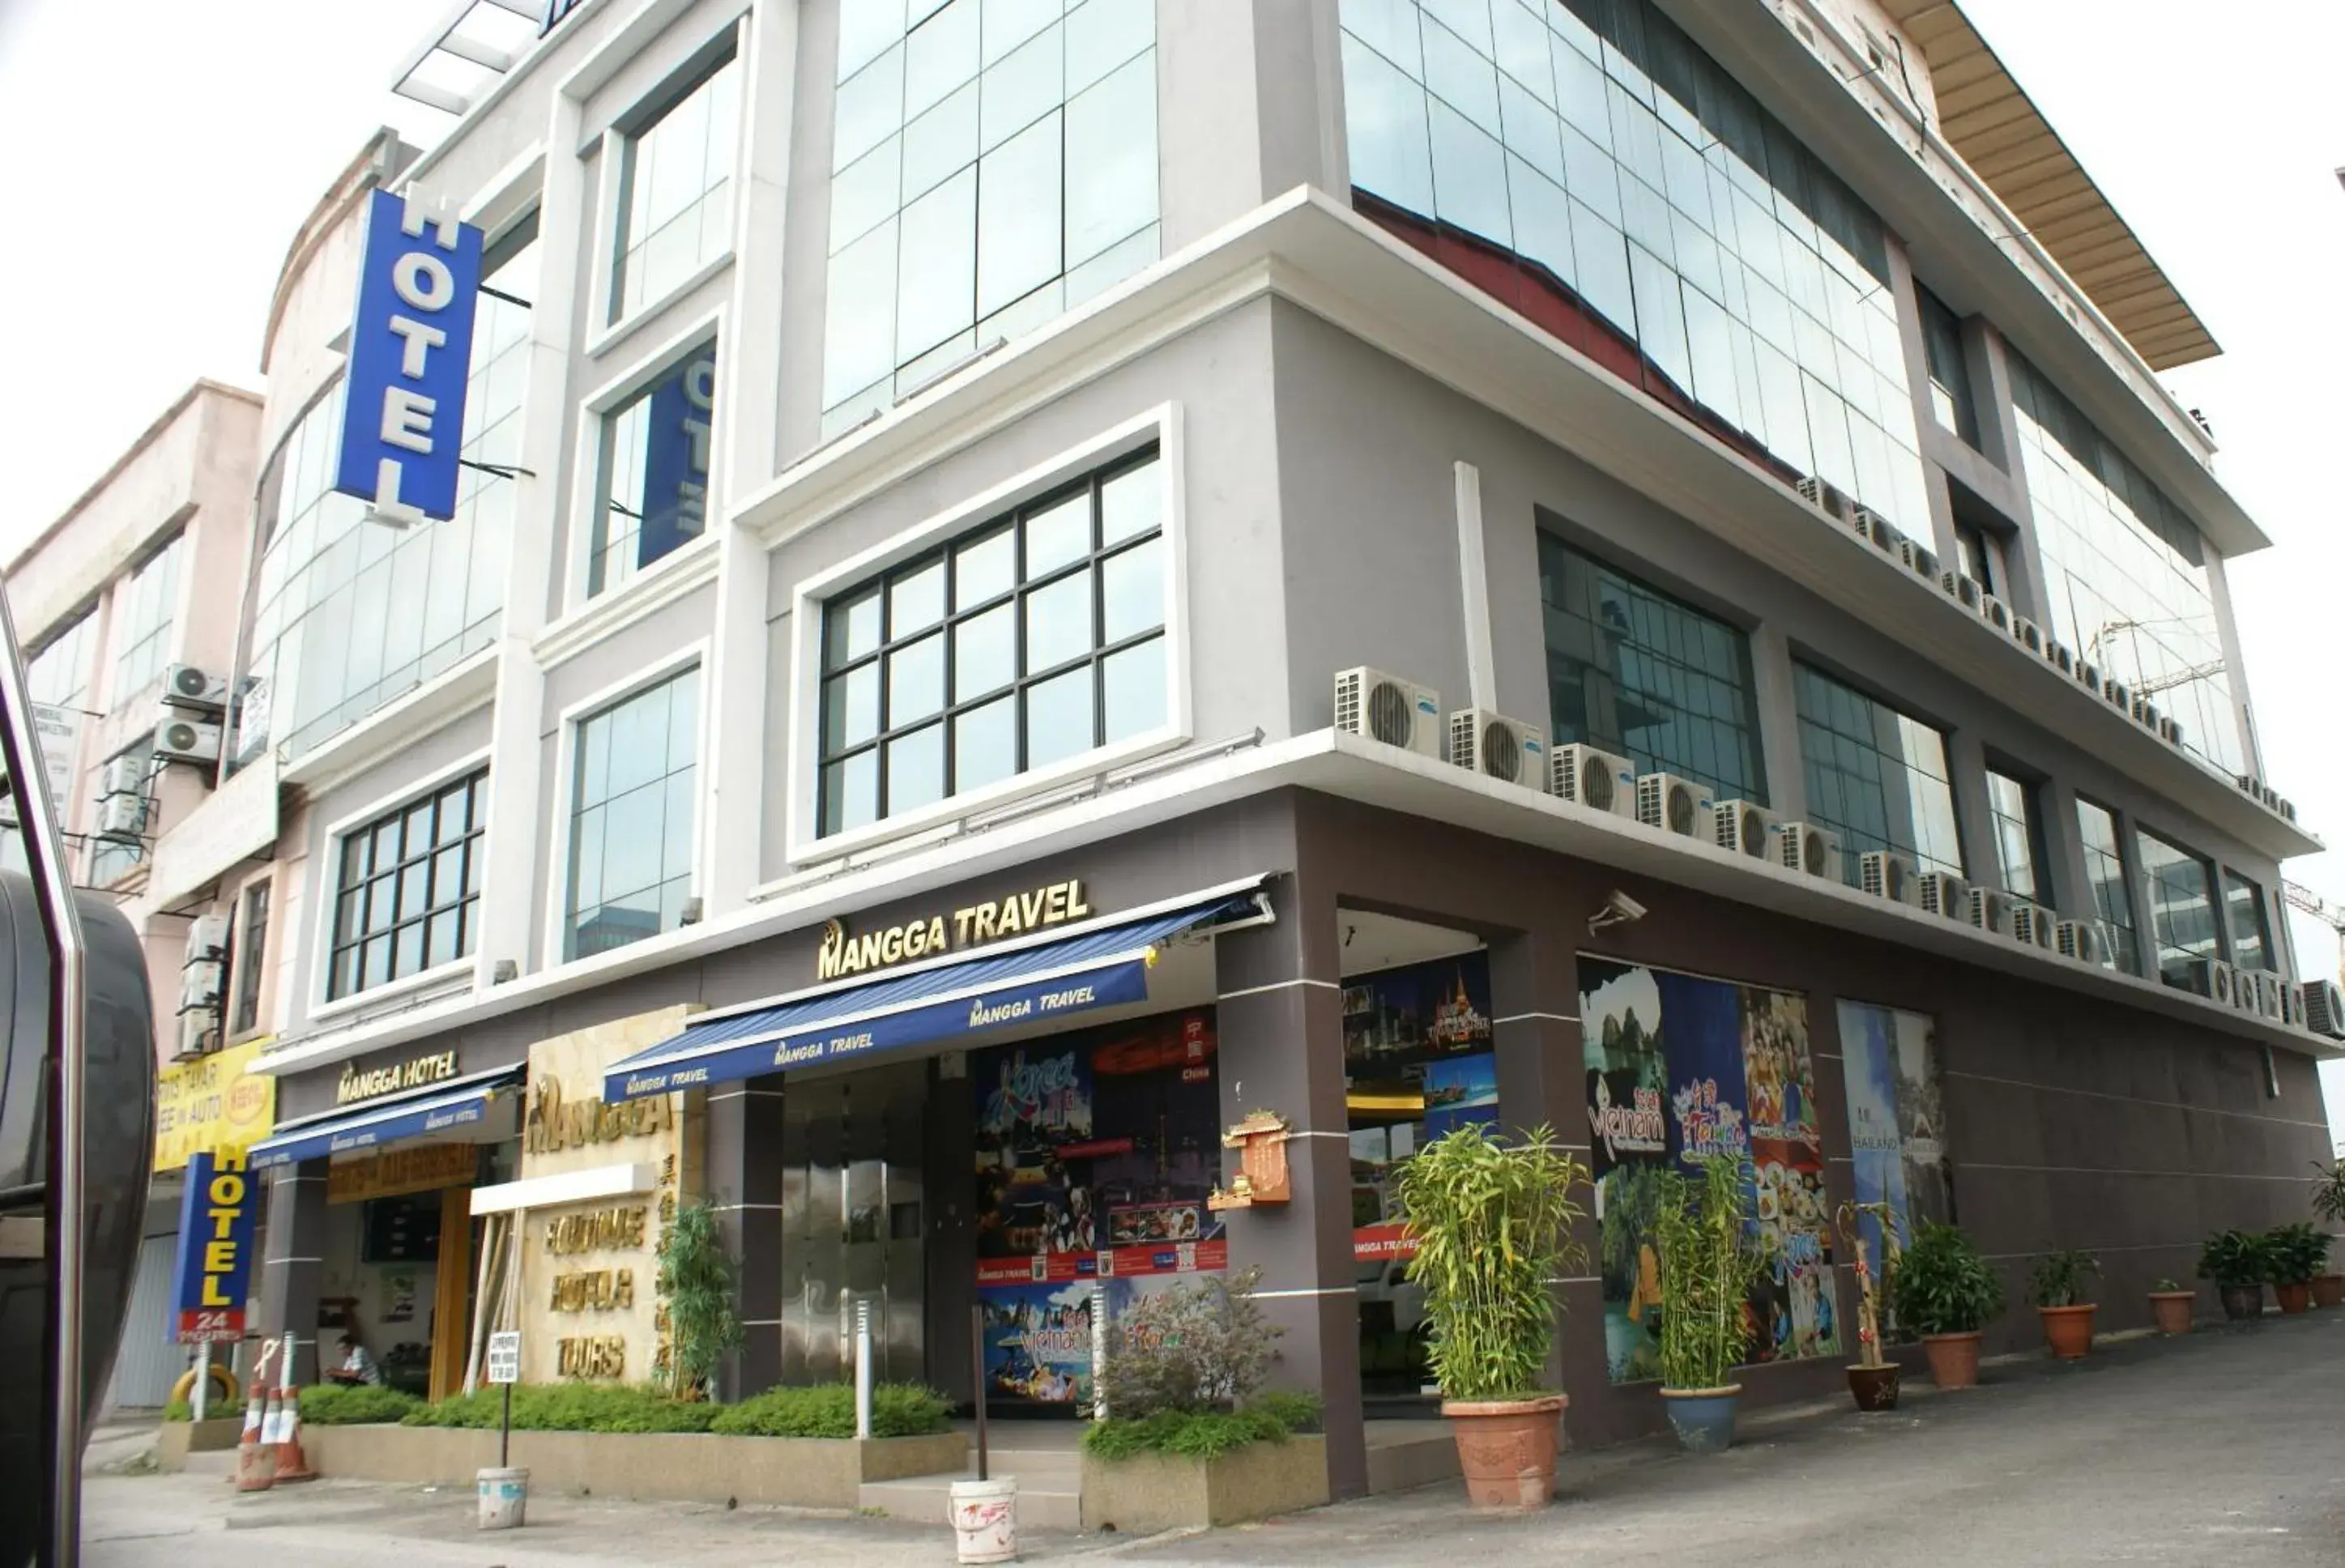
504 1498
985 1520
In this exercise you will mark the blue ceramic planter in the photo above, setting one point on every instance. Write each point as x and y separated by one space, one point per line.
1704 1417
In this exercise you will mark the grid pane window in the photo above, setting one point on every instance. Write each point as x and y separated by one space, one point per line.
652 489
1633 671
407 889
1034 637
1593 168
1874 775
150 601
2181 908
350 614
1950 374
248 957
2105 873
59 676
630 817
2125 569
2018 836
994 166
2250 927
675 191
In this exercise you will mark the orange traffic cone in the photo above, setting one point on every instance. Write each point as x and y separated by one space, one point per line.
293 1464
256 1460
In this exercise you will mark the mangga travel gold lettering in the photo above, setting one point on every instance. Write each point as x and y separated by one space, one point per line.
842 953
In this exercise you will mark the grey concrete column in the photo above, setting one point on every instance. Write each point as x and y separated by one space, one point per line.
2063 847
2028 592
292 1261
745 1189
1281 1042
1779 722
949 1253
2241 714
1937 529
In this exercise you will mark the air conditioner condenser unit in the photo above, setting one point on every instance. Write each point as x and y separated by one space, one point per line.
1388 708
1803 846
1945 895
2033 925
1963 588
1887 875
1499 747
1679 805
1742 828
1597 780
1991 910
2086 942
2324 1009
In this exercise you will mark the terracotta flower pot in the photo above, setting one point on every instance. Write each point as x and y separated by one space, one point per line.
1954 1359
2329 1289
2173 1310
1874 1388
1506 1448
2068 1330
2295 1297
2243 1301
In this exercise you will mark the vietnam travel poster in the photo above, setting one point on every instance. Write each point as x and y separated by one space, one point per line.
1622 1045
1037 1340
1793 1309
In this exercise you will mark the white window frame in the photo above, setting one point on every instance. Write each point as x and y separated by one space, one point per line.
1161 426
326 889
586 467
695 654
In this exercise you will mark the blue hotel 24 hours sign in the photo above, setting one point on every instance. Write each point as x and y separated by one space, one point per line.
410 354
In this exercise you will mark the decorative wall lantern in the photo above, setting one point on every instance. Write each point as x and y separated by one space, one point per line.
1263 1178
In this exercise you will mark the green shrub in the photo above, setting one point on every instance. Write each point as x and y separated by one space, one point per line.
1299 1410
2297 1251
178 1409
354 1404
827 1409
1200 1345
1944 1285
2235 1259
1708 1267
1202 1434
2060 1279
569 1407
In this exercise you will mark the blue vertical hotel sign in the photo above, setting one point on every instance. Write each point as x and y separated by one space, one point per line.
410 354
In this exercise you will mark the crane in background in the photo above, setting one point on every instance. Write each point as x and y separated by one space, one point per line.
2329 915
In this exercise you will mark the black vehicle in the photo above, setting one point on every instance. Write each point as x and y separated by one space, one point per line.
119 1122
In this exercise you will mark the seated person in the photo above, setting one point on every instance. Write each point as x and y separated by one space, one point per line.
357 1367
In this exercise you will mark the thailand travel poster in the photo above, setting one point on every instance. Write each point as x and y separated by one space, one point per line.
1460 1092
1416 1013
1793 1311
1620 1024
1895 1118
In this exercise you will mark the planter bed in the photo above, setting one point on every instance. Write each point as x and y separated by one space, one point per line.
1148 1492
180 1439
675 1467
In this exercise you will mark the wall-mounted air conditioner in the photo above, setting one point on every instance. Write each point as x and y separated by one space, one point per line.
1386 708
1826 497
1918 559
2249 786
1996 613
2088 675
2033 925
2056 655
1595 779
2324 1008
125 774
2117 695
2291 1005
200 1036
2086 942
2215 980
186 686
1991 910
1679 805
2145 713
1963 588
1945 895
1875 530
207 938
2287 808
1499 747
2170 730
1803 846
185 741
1742 828
122 817
2267 989
1886 875
199 986
2027 634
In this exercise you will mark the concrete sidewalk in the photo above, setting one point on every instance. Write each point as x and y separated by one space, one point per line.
2229 1446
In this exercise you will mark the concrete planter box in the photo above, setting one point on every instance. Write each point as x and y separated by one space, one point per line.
673 1467
180 1439
1153 1492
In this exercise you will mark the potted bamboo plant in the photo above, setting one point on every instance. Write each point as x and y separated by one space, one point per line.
2328 1202
1947 1293
2170 1304
2298 1252
1708 1267
2239 1263
2061 1288
1492 1222
1873 1376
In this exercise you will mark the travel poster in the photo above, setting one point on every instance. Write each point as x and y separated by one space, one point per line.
1460 1092
1793 1309
1037 1341
1414 1014
1620 1025
1895 1118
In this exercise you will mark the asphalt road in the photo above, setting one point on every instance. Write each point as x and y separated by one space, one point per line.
2225 1448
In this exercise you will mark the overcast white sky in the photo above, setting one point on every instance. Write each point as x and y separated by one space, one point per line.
155 198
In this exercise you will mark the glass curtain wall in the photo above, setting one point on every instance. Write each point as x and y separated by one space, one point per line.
652 494
143 614
2181 908
2105 873
2125 571
1875 776
630 817
2250 927
2018 836
350 614
1590 166
993 165
1633 671
676 198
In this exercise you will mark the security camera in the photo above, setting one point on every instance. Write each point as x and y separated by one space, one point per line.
1619 909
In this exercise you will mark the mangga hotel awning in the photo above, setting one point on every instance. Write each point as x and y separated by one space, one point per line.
419 1113
1104 967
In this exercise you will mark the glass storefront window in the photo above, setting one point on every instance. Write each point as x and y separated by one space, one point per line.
2106 875
990 169
1635 671
653 486
350 614
1874 775
2250 926
675 190
2018 835
630 817
2125 569
2181 907
1593 170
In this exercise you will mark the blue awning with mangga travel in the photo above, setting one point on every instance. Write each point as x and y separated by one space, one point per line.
1106 967
442 1108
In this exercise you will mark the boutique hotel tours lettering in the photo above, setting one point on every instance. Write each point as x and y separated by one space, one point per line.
813 568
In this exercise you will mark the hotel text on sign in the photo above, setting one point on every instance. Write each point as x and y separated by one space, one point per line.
214 1273
411 358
